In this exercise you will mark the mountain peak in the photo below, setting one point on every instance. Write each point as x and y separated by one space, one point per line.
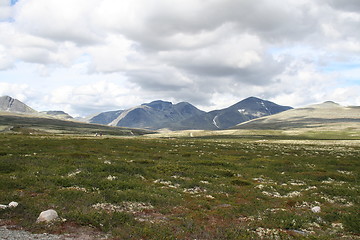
252 99
327 104
159 104
10 104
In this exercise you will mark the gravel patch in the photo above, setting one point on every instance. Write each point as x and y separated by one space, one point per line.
10 234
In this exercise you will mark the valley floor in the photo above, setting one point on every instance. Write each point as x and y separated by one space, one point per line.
185 187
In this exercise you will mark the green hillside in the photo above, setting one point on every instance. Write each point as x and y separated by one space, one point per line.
31 124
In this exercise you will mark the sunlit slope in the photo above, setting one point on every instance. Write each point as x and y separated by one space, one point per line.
326 116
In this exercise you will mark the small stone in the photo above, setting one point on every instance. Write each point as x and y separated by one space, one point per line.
47 216
3 206
13 204
316 209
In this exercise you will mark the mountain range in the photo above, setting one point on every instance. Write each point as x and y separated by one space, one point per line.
12 105
249 114
181 116
164 115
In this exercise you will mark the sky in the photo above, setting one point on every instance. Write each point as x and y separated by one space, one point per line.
89 56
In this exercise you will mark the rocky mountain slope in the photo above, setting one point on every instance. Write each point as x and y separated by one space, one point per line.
327 116
247 109
181 116
9 104
104 117
156 115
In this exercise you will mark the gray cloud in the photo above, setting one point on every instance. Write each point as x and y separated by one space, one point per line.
186 50
348 5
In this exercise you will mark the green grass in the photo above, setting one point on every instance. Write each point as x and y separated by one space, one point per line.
139 188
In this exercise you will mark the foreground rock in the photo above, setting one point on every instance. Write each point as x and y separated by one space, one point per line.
47 216
316 209
11 205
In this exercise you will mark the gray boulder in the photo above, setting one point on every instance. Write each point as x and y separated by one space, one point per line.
47 216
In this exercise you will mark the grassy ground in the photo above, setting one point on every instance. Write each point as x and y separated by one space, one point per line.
190 188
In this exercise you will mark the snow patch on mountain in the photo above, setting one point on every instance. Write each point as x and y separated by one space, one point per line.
263 104
214 122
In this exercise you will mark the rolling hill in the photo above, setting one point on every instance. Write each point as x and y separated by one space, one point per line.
30 124
325 116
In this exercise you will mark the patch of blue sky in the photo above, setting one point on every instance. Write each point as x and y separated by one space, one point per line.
8 16
348 74
340 66
13 2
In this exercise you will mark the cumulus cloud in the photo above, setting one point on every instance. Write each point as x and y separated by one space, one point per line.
204 52
93 97
59 20
22 92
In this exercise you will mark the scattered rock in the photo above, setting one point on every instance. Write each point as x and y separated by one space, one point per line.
316 209
13 204
3 206
47 216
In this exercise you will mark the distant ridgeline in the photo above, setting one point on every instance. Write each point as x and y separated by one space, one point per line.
182 116
164 115
12 105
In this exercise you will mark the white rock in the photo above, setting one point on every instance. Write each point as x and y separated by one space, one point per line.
3 206
13 204
316 209
47 216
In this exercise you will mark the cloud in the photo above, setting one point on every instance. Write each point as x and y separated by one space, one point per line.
59 20
22 92
93 97
204 52
349 5
5 10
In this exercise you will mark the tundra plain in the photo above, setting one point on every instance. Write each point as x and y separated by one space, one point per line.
185 186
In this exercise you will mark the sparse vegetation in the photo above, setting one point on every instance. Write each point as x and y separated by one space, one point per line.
183 188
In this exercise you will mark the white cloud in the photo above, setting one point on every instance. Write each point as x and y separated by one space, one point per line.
90 55
59 20
93 97
5 10
23 92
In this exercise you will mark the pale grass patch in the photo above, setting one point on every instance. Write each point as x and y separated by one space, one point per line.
76 188
129 207
73 174
168 184
345 172
263 233
194 190
111 178
337 225
278 195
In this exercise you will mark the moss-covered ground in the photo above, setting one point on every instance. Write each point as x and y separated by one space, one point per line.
190 188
